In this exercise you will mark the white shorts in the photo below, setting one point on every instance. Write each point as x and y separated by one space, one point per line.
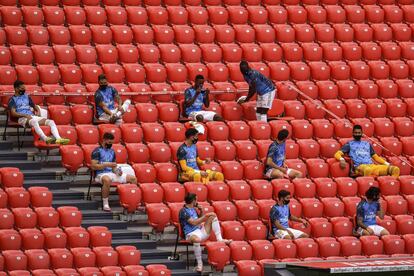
375 228
269 172
281 234
200 233
266 100
107 117
207 115
126 170
43 115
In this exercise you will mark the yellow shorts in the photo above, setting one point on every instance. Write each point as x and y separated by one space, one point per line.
372 170
196 176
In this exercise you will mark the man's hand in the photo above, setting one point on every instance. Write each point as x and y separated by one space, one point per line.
203 174
304 222
112 165
207 92
291 234
207 160
370 231
342 164
28 117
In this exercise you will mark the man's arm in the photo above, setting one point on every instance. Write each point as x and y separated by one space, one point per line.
116 96
380 212
95 162
99 101
270 163
15 114
252 91
200 162
206 98
301 220
377 158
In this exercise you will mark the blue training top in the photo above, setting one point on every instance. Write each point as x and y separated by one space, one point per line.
189 154
281 214
103 155
189 93
277 152
22 103
368 212
262 83
186 214
361 152
107 96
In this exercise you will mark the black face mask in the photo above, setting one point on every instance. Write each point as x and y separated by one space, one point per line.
108 146
375 198
21 92
195 140
357 137
103 86
286 201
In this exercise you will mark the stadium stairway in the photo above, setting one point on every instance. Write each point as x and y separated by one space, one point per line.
48 173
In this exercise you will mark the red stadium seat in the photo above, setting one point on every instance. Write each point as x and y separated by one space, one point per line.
320 227
306 248
396 205
60 258
371 245
10 240
312 207
77 237
255 230
148 52
346 186
225 210
262 249
15 260
308 148
333 207
350 246
328 247
405 224
47 217
325 187
129 197
341 226
128 255
284 249
40 197
247 210
158 215
37 259
17 197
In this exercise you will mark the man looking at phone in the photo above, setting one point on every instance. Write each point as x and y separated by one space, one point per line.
195 97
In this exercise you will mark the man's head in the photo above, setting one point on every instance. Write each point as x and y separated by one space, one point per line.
284 196
282 135
373 193
107 140
191 199
199 81
244 67
19 87
357 132
191 135
103 82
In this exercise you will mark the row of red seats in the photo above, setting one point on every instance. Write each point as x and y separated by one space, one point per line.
216 72
184 34
210 52
178 15
130 270
71 237
23 217
101 256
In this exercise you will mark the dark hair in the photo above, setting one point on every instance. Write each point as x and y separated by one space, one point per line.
282 135
282 194
108 136
189 198
17 84
357 127
199 77
372 192
243 62
101 77
190 132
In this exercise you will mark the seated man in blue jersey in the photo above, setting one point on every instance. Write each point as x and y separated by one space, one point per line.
275 160
197 226
367 211
105 98
189 161
28 114
280 216
261 85
195 97
107 170
362 155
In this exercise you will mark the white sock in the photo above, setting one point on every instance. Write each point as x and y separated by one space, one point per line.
261 117
53 128
197 254
105 202
216 229
35 124
124 108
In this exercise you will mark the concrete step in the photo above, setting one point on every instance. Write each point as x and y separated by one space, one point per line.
80 203
138 243
96 214
184 272
171 264
21 164
154 254
51 184
110 223
30 174
5 145
67 194
123 234
12 155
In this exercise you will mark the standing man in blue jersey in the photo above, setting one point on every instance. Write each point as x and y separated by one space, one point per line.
367 211
197 226
105 98
23 109
106 169
275 160
280 216
261 85
362 155
195 97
